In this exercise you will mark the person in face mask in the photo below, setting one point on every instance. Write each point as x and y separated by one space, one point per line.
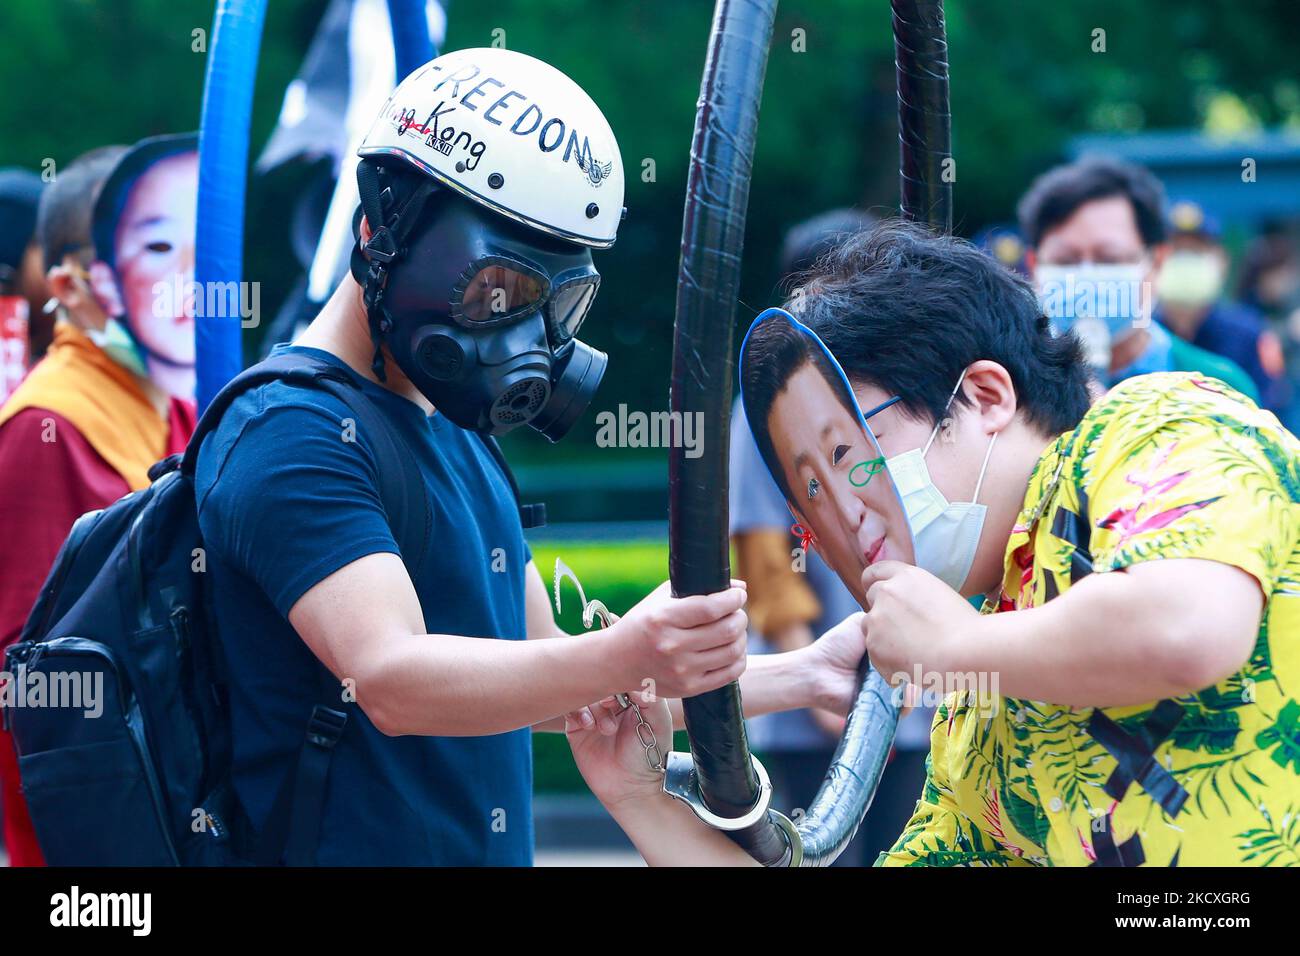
485 183
1190 303
80 432
1137 556
1096 232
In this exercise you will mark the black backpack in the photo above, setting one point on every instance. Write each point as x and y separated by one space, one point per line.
146 781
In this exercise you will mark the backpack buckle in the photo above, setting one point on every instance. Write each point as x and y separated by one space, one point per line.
325 728
533 515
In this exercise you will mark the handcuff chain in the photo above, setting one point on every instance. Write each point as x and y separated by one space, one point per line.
596 609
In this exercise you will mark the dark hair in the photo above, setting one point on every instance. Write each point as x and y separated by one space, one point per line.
20 193
63 220
773 352
116 189
907 311
1055 195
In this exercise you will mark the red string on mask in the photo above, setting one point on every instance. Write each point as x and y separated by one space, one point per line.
806 539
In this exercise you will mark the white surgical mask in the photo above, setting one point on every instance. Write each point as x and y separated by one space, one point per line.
1190 279
946 534
119 345
1102 303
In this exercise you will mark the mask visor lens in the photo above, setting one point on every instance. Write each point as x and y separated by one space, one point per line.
570 304
497 292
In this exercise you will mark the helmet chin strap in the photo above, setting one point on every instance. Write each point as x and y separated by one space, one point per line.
372 260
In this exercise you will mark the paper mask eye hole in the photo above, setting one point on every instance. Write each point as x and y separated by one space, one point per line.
840 452
813 487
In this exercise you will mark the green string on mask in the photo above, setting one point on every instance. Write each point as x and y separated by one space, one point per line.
870 468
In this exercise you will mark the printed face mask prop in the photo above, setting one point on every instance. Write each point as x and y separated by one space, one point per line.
482 315
819 449
144 234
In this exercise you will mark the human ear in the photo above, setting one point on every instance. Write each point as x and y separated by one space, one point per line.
69 285
990 395
65 286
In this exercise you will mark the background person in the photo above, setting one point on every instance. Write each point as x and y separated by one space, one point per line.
1096 229
143 230
79 433
1191 304
1270 283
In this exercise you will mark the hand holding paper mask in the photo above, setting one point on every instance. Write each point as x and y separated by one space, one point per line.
820 450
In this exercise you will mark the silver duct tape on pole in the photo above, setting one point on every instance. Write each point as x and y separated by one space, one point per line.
833 817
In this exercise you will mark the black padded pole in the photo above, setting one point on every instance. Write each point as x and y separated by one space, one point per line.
703 367
713 232
924 119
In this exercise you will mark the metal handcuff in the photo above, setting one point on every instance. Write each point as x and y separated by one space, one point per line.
680 781
590 611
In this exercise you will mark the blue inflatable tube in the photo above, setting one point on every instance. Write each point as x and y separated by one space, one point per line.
412 46
223 167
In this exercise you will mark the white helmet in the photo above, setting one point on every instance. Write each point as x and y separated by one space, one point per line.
510 132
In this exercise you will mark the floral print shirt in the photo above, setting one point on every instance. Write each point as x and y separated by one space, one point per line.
1172 465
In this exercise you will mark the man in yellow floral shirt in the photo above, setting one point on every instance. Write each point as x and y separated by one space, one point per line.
1144 716
1129 695
1169 467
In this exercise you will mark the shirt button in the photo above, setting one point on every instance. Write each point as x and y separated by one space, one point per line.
1056 805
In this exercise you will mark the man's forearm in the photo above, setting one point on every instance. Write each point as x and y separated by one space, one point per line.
771 683
451 686
1108 642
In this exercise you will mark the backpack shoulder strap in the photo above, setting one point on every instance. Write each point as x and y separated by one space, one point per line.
530 515
292 830
401 487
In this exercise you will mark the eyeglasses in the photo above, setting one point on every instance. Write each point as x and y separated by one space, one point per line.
866 470
498 290
882 406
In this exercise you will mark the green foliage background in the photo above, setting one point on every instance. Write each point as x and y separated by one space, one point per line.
80 73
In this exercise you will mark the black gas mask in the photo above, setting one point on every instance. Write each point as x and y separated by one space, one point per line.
480 312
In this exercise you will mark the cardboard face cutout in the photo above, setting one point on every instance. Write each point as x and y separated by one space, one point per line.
820 450
154 262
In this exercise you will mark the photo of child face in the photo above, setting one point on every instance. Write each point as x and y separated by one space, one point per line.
820 451
155 244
